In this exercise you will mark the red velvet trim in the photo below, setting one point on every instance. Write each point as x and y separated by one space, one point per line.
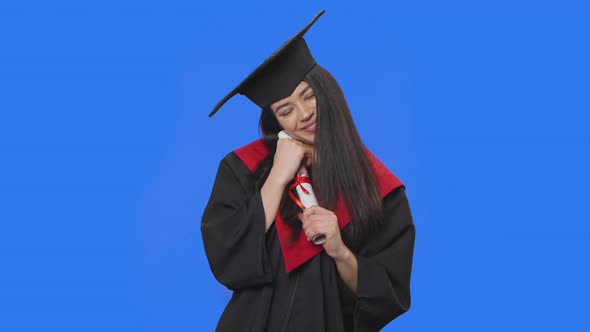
301 250
252 154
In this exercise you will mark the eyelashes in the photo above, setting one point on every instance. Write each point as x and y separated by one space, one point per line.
306 98
287 113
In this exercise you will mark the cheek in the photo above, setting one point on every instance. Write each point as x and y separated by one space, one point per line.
287 123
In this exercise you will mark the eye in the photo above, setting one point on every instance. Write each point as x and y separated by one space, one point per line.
287 112
309 96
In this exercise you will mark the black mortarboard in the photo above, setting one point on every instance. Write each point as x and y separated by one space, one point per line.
279 75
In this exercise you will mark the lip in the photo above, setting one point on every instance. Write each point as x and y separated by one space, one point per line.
309 128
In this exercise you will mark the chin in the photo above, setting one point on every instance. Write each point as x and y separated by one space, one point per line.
308 139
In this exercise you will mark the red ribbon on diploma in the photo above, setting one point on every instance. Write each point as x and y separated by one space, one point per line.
299 181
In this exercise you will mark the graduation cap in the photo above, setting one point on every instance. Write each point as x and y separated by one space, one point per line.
279 75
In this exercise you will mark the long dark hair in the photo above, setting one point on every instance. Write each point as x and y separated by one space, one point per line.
340 168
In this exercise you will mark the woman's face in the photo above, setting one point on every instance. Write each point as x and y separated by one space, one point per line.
297 113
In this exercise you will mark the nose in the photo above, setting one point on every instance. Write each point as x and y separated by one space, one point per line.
306 112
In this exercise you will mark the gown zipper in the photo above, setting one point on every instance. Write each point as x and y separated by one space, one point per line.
290 304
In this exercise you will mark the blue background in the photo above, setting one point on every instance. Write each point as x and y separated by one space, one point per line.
108 157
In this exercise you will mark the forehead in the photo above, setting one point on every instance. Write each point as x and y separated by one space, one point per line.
296 93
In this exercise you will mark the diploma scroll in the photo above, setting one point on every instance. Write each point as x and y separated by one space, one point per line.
305 192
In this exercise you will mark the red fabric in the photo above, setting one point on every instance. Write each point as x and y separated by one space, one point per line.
301 250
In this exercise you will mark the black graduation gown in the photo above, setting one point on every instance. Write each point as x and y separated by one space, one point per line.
313 297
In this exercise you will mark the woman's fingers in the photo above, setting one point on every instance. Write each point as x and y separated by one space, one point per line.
308 156
307 221
288 158
307 153
319 212
321 222
319 228
314 210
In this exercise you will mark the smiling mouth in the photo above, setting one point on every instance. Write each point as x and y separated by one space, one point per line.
309 126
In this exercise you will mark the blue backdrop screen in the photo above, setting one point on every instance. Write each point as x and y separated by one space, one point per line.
108 156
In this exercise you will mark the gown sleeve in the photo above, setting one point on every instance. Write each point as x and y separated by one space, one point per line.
233 229
384 267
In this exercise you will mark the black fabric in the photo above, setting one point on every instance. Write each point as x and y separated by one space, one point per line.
249 262
281 77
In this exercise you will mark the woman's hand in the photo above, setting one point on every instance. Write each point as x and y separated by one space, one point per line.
288 158
317 220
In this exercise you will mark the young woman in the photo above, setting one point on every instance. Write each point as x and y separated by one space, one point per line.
257 237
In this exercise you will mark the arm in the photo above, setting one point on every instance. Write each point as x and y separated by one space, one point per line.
233 229
237 216
380 274
347 266
318 220
384 267
271 193
288 157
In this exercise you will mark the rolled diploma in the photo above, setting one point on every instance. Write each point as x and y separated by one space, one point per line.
308 200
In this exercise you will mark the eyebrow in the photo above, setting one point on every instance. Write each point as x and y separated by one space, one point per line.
281 106
304 90
287 103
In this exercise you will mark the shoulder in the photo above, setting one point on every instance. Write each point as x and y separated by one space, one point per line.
238 166
250 154
386 180
242 162
395 198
